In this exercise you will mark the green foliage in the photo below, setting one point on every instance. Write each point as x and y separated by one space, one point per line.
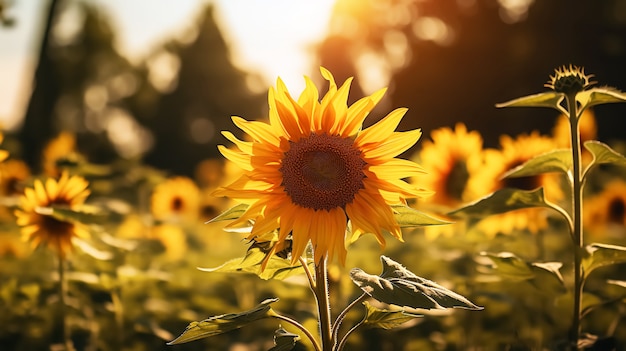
398 286
600 255
548 99
410 217
503 200
224 323
603 154
276 268
598 96
545 276
284 340
552 161
386 319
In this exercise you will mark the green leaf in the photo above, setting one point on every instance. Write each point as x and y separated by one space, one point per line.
410 217
552 161
232 213
398 286
600 255
603 154
598 96
548 99
503 200
276 268
284 340
224 323
509 266
386 319
85 214
545 276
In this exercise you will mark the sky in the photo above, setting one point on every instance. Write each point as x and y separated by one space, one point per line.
271 37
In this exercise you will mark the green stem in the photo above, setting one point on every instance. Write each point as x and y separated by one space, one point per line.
295 323
323 304
345 337
342 315
67 342
577 207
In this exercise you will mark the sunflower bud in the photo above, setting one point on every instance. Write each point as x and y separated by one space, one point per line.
570 80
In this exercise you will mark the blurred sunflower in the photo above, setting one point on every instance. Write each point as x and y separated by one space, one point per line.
59 148
604 215
177 199
38 226
512 153
14 173
173 239
451 158
3 153
312 168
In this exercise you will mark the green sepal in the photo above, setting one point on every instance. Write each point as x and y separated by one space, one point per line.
599 96
548 99
559 160
232 213
276 268
410 217
603 154
224 323
396 285
545 276
386 319
599 255
284 340
503 200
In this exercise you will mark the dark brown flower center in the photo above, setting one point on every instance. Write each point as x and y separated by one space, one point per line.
617 211
322 171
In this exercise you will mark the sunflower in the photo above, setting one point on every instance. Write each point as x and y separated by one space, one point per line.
512 153
13 174
451 158
3 153
605 213
59 148
38 226
176 199
312 168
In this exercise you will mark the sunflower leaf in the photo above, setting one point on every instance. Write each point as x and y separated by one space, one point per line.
545 276
386 319
232 213
284 340
85 214
224 323
410 217
603 154
503 200
552 161
276 268
396 285
600 255
598 96
547 99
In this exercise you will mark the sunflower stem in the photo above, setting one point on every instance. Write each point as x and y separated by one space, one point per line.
296 324
343 314
577 207
323 304
65 332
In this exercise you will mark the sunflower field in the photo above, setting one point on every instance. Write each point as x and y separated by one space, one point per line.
314 232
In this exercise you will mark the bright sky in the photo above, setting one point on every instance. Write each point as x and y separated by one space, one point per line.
272 37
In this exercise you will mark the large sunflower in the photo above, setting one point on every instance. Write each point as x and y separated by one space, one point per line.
312 168
38 226
605 212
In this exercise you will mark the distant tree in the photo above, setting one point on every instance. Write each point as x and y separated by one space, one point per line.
76 83
453 60
206 92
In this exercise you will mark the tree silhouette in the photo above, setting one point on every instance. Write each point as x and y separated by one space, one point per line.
209 90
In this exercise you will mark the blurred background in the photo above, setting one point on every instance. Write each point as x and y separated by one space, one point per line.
157 80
